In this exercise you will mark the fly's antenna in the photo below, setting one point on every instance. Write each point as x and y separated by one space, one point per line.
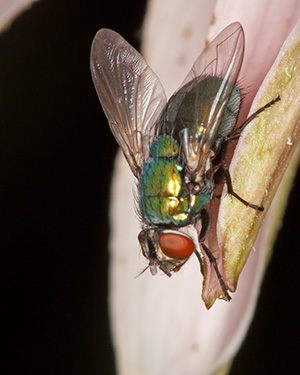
139 274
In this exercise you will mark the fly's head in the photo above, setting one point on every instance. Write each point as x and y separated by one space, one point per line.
166 249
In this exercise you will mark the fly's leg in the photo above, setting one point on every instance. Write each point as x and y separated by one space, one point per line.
221 152
236 133
223 169
218 178
205 220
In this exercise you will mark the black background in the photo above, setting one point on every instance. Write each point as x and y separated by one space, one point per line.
55 167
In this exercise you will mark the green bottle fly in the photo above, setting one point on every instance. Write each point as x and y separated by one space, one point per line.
175 148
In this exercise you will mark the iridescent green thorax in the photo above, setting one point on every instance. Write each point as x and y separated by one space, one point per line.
163 195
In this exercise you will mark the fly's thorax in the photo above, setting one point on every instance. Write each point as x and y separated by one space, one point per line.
164 146
166 249
164 195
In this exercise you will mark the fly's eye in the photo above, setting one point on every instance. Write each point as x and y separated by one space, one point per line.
176 246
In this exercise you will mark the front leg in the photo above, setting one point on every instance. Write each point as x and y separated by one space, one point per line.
218 178
205 220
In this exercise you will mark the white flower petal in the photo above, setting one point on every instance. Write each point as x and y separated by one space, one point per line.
160 325
11 9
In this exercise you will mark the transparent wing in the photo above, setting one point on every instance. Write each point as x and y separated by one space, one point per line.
196 109
130 93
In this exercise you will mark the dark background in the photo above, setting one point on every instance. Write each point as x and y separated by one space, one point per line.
56 158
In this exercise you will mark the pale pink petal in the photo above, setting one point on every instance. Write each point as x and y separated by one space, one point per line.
161 325
11 9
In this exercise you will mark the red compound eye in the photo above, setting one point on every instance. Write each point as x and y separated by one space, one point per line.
176 246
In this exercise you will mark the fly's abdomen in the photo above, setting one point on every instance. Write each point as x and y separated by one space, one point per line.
229 118
190 108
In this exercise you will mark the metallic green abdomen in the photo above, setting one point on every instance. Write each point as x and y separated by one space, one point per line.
190 108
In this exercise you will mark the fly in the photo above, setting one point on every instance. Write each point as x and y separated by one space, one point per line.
174 148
